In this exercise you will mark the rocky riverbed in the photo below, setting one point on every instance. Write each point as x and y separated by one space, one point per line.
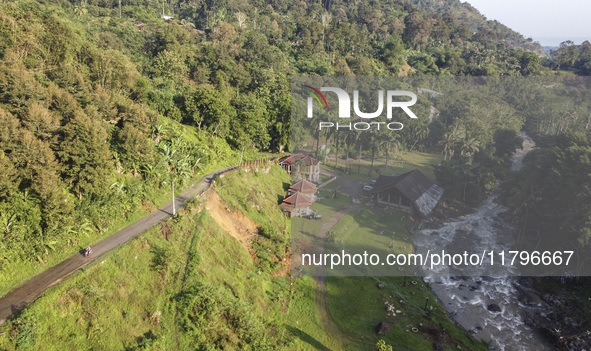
512 313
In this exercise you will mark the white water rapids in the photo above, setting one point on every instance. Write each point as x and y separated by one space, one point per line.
467 298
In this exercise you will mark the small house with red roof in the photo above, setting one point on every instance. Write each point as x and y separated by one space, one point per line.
302 166
297 205
288 163
305 187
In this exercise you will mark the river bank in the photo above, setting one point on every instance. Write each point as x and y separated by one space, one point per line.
511 313
487 307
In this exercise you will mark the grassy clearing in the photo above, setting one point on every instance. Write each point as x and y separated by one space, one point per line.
130 298
303 321
406 161
373 230
360 297
370 231
327 206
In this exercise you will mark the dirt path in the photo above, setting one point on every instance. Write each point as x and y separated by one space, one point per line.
28 291
321 299
350 185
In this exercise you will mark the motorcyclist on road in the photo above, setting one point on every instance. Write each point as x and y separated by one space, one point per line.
88 251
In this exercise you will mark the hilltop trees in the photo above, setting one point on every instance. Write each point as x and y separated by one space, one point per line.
570 56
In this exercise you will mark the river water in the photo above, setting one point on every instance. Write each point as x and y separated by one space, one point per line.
467 298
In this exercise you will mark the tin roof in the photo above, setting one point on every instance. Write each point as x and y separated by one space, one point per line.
414 185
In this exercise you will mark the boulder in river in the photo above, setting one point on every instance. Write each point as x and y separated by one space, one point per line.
493 307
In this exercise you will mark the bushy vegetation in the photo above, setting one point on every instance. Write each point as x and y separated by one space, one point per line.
571 57
489 30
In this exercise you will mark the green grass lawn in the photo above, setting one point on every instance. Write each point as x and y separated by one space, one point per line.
405 162
303 320
357 305
373 229
374 232
326 206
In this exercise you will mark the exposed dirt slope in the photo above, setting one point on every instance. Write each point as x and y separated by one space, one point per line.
235 223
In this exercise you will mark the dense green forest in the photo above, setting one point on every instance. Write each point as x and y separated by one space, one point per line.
552 193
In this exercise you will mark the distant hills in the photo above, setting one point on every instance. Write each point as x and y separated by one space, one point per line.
469 15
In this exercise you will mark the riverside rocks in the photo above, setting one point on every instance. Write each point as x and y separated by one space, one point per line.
493 307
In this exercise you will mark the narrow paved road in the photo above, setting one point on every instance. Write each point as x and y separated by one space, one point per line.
28 291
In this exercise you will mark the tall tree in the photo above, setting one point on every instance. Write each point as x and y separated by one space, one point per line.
85 154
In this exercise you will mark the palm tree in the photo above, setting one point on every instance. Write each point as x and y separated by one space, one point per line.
179 162
387 141
151 172
329 132
466 167
469 146
373 143
80 10
337 139
420 132
188 24
350 138
450 142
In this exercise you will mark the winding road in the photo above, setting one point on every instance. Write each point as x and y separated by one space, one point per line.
27 292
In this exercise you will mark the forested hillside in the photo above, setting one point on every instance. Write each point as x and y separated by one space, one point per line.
490 29
92 94
104 102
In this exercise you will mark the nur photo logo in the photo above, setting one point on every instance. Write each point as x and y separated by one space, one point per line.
393 99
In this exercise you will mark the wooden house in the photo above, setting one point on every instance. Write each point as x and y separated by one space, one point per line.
411 192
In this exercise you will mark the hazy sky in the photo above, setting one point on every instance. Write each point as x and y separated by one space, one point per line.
546 21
